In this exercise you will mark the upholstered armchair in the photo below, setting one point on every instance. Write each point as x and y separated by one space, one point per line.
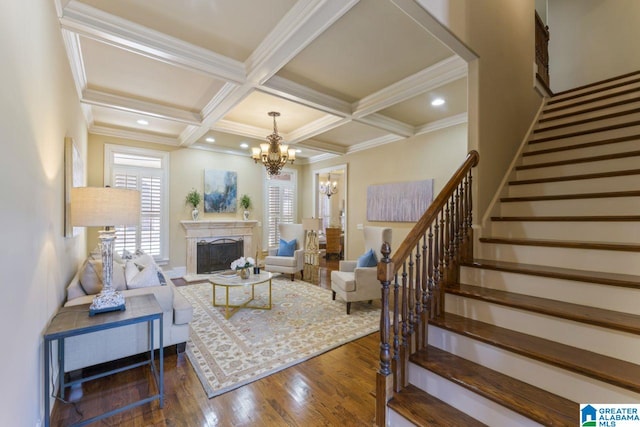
358 280
287 258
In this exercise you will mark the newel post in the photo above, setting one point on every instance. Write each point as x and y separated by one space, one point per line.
384 377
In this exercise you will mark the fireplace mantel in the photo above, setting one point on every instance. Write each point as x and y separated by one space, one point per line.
213 229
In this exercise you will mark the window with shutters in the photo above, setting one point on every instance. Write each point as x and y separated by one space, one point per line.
146 171
280 206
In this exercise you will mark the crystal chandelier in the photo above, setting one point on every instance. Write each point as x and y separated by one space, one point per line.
273 154
329 188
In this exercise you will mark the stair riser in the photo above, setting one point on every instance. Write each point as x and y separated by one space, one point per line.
599 206
612 165
579 109
578 186
583 293
580 259
478 407
396 420
619 232
579 153
563 99
620 345
597 115
564 383
580 139
596 126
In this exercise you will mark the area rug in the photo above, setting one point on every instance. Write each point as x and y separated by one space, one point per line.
303 322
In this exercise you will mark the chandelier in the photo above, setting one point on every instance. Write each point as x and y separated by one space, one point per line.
273 154
329 188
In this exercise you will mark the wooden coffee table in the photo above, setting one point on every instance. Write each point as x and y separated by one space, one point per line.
229 281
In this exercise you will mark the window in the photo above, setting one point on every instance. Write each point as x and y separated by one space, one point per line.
280 206
146 171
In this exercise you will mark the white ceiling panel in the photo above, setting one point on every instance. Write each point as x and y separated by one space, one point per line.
126 120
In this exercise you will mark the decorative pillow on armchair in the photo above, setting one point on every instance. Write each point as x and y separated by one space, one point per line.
368 259
287 248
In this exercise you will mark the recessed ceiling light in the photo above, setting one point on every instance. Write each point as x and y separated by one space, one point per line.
142 122
298 150
210 139
438 101
244 145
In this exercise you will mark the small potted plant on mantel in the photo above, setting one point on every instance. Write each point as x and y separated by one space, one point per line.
194 198
245 203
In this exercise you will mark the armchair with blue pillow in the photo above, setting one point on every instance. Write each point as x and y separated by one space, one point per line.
288 257
358 280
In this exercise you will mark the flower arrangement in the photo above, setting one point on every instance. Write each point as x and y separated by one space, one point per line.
242 263
193 198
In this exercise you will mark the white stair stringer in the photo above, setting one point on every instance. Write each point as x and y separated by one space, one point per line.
605 341
568 384
575 292
621 262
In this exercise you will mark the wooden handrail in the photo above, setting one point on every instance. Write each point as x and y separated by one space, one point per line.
427 261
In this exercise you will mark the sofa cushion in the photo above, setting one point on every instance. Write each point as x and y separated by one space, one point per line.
91 277
144 278
282 261
368 259
343 280
287 248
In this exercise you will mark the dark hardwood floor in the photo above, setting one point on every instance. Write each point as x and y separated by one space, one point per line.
335 388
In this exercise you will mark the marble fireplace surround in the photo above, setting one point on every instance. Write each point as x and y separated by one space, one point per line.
209 230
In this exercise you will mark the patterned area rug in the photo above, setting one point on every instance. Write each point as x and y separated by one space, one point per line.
303 322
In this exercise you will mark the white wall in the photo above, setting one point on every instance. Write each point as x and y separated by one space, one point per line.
38 108
592 40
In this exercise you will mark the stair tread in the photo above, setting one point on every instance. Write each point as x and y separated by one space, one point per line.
573 196
604 368
582 218
599 158
577 177
586 121
610 319
610 246
530 401
613 279
587 110
422 409
613 83
552 108
606 141
588 131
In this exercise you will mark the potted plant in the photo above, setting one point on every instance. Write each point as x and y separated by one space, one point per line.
245 203
194 198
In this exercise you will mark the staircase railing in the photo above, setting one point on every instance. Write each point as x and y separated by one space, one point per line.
419 270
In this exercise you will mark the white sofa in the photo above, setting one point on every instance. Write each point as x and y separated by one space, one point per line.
103 346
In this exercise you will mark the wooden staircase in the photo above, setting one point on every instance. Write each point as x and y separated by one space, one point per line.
547 316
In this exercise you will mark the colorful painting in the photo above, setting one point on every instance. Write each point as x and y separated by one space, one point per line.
220 191
399 202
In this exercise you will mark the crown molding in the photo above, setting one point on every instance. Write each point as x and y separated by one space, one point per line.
133 135
304 22
445 71
301 94
316 127
376 142
387 124
321 157
443 123
242 129
74 53
327 147
103 99
104 27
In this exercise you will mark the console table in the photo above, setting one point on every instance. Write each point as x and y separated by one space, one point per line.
75 320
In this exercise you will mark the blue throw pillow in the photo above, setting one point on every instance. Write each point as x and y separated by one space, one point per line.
286 248
368 259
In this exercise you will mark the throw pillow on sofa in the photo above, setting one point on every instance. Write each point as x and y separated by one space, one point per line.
140 278
91 277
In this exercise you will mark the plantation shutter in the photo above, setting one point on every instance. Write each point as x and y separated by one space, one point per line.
281 203
126 236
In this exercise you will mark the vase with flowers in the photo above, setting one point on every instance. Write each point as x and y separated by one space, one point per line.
245 203
243 266
193 198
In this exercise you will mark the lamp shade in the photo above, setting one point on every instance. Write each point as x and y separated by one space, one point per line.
314 224
104 206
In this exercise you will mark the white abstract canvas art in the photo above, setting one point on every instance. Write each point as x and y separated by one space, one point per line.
399 202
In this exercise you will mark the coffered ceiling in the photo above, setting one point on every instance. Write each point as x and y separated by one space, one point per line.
346 75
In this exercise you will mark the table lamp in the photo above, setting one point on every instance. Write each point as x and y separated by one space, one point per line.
105 207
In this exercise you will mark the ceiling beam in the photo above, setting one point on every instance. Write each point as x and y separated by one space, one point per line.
286 89
442 123
387 124
323 124
106 28
132 134
327 147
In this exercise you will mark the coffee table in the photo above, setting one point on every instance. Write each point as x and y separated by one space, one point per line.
230 281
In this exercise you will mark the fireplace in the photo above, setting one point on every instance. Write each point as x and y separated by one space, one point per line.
218 254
